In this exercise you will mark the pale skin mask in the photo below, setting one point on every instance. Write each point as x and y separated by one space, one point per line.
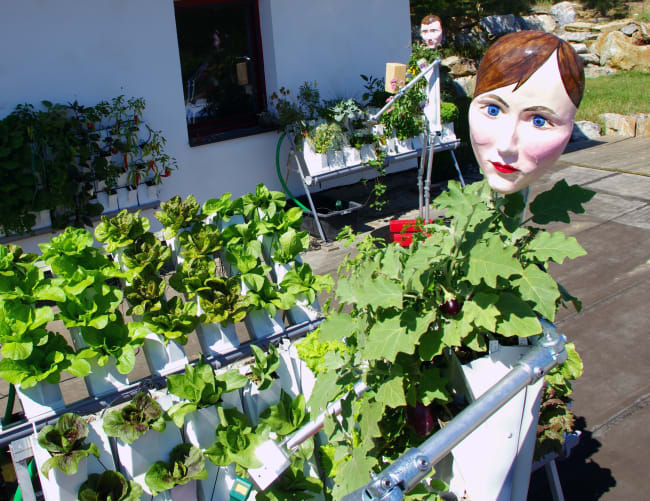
431 34
517 135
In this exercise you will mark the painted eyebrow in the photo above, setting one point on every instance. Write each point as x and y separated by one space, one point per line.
497 98
542 108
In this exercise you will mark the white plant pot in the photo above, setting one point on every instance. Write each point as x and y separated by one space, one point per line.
260 324
40 400
127 197
43 220
418 142
391 146
101 380
184 492
122 179
368 153
378 129
108 201
335 159
404 145
163 358
316 162
509 434
257 401
62 487
234 219
199 430
153 446
148 194
214 338
352 156
302 311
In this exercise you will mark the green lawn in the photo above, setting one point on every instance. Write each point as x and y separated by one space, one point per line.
624 93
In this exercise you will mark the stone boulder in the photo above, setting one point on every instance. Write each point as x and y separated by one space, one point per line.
464 86
618 51
618 125
581 26
643 124
539 22
584 130
500 25
564 12
459 66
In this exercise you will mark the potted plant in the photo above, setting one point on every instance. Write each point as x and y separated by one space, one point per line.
201 240
223 211
176 215
326 139
121 230
186 463
412 307
133 420
261 390
109 486
302 284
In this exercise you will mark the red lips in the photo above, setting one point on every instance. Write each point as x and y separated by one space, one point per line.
504 168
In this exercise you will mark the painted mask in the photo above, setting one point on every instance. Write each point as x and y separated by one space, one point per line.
431 34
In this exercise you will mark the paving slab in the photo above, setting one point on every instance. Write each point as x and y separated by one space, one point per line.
630 155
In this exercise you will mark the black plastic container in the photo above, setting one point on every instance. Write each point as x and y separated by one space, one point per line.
333 215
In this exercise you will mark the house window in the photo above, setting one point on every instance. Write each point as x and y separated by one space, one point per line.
221 64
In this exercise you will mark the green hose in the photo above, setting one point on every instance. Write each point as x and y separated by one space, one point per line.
284 185
10 405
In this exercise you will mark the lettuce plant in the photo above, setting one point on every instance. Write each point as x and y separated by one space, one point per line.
121 230
65 443
146 251
289 245
133 420
223 301
109 486
200 387
263 369
186 463
174 320
145 293
193 276
301 280
265 295
263 200
223 207
176 213
202 240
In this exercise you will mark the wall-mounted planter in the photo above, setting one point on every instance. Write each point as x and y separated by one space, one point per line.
404 145
148 193
43 220
418 142
256 401
316 162
40 400
127 197
352 156
214 338
335 159
62 487
368 153
108 199
101 380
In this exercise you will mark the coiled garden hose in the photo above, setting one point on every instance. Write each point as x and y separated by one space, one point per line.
284 185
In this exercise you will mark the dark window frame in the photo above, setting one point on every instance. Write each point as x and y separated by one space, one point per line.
235 126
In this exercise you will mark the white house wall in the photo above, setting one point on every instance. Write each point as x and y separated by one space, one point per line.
91 50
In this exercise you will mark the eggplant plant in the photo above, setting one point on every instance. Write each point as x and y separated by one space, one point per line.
186 463
200 387
65 441
121 230
109 486
176 213
133 420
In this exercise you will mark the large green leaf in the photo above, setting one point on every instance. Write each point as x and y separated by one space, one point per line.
517 318
391 393
539 288
490 260
554 246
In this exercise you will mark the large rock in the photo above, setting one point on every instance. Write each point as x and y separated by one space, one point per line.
459 66
643 124
583 130
578 36
464 86
564 12
614 25
589 58
539 22
618 125
629 29
616 50
500 25
580 48
581 26
598 71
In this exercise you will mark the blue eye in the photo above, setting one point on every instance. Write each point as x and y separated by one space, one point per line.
493 110
539 121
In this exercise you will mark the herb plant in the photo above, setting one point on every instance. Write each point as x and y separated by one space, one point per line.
200 387
133 420
186 463
65 443
109 486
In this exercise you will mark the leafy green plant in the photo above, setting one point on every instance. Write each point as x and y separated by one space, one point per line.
236 441
65 443
398 322
315 353
133 420
174 320
121 230
263 369
327 136
223 207
223 302
268 297
264 201
289 245
146 251
200 387
202 240
145 293
300 280
109 486
176 213
186 463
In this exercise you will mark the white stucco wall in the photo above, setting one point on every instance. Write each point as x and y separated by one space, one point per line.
91 50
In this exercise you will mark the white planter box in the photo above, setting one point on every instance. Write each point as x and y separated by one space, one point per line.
108 200
418 142
62 487
148 194
352 156
368 153
256 401
509 434
40 400
235 219
404 145
214 338
163 358
378 129
335 159
316 163
391 146
43 220
199 430
127 197
185 492
101 380
151 447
